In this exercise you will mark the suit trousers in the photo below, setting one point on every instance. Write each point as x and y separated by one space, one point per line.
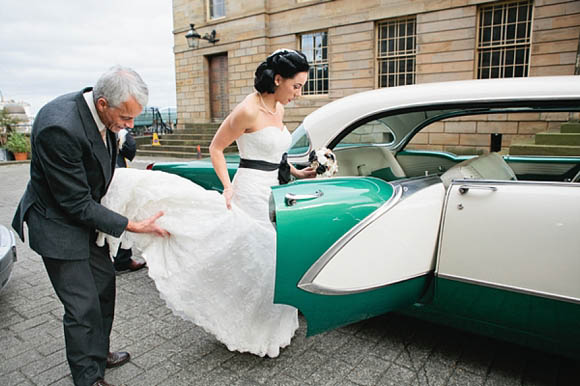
86 288
123 259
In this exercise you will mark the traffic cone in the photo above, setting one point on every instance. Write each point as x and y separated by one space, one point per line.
156 140
198 152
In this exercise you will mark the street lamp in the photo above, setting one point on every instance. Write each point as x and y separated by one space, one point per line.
193 37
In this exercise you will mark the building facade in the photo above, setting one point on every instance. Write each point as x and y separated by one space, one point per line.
360 45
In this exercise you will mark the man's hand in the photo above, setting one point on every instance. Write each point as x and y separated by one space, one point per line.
148 226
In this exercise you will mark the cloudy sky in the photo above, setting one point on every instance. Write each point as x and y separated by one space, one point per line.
51 47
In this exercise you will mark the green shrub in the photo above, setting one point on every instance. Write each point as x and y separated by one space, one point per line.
17 143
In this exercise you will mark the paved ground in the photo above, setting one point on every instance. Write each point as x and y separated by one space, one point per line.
389 350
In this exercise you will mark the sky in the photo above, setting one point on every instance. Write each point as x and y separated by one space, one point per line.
53 47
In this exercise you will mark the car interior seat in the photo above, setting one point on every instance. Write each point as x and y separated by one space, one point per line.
491 166
376 161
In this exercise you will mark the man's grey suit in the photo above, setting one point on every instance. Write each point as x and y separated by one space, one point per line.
70 171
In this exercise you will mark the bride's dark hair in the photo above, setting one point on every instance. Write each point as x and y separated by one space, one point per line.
287 63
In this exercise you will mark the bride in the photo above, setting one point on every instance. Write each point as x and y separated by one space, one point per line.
217 268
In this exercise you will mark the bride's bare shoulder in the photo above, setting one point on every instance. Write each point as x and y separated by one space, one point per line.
246 112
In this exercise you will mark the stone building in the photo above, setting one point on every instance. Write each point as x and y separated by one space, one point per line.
357 45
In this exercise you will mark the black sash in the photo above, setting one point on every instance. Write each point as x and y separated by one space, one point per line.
283 167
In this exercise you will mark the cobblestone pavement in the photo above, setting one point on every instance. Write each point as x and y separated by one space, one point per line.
388 350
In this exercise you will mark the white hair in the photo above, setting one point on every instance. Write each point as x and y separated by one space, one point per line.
118 85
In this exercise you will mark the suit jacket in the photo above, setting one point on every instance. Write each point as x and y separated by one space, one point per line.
70 172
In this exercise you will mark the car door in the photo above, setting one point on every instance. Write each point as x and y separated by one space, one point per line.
352 248
510 260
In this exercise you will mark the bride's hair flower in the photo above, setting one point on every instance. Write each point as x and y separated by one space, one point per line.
324 162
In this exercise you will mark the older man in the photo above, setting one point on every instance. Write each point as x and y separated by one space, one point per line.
73 160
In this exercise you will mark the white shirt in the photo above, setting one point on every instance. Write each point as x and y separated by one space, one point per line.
100 125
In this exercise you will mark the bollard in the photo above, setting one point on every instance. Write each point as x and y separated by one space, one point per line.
495 142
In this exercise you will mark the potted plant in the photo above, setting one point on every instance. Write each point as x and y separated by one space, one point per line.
18 144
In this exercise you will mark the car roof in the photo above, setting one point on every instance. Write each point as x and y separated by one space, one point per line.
323 124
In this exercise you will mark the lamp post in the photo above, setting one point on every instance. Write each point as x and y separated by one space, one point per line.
193 37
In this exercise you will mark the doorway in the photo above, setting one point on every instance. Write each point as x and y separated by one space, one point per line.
218 86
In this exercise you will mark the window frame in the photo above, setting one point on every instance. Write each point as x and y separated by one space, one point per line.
396 55
504 46
316 64
209 4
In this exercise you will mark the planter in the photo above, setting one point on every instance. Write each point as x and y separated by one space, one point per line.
20 156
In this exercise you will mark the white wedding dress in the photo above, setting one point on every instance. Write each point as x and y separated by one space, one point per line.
217 268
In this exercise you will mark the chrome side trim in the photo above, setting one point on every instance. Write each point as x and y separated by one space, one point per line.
442 227
402 189
510 182
322 290
511 288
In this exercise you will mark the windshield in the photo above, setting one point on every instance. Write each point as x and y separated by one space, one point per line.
300 141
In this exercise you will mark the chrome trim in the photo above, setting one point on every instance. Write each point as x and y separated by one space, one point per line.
465 188
291 198
321 290
442 226
509 182
511 288
360 146
402 190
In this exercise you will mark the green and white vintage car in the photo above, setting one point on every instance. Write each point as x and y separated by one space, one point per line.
489 243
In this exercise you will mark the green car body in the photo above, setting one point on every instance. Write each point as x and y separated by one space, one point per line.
484 243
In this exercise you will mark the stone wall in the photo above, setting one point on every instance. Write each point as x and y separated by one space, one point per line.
446 50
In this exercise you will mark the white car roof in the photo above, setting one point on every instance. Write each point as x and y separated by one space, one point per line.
323 124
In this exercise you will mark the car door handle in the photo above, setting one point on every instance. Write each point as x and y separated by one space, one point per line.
292 198
465 188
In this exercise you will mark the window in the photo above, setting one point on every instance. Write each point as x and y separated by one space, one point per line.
503 44
217 8
315 47
375 132
397 42
300 141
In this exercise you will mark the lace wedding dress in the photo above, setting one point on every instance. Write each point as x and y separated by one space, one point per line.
217 267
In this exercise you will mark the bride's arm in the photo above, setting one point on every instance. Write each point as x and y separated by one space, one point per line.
231 128
308 172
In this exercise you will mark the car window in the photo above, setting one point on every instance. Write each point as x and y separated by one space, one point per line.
376 132
388 131
461 129
300 141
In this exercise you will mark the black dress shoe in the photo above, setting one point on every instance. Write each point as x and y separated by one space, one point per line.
116 359
135 265
101 382
132 266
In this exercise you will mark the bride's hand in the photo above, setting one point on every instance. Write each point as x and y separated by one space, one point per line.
308 172
228 194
